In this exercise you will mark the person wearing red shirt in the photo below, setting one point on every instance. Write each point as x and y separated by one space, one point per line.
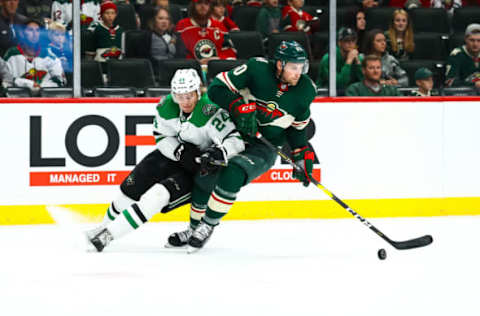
218 13
297 20
204 37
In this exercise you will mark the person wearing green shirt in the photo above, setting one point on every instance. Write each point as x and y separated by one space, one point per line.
371 86
268 18
348 61
463 64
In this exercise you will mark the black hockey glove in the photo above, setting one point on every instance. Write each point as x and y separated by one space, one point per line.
212 159
303 157
186 154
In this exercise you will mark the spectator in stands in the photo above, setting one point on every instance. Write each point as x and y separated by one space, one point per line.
360 27
348 61
371 85
6 77
205 38
162 42
449 6
10 20
399 36
62 12
392 73
146 12
424 82
268 18
219 8
106 35
39 10
30 65
463 64
367 4
297 20
254 3
60 45
409 4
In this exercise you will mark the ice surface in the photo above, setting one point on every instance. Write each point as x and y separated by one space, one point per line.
274 267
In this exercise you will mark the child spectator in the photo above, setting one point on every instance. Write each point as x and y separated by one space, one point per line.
62 12
392 73
30 65
424 82
463 64
219 8
268 18
400 36
360 27
205 38
295 19
372 85
146 12
10 21
107 36
6 77
348 61
162 43
60 45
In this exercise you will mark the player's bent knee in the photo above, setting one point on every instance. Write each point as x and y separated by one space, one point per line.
153 200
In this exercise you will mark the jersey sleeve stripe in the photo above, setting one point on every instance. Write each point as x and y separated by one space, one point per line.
223 77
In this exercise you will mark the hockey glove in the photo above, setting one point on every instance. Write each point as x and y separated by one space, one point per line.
244 117
303 157
212 159
186 154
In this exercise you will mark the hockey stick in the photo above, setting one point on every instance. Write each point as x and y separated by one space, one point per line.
401 245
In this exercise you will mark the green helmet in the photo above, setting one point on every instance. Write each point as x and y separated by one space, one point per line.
291 51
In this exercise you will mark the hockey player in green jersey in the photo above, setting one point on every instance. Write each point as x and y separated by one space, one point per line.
272 97
191 133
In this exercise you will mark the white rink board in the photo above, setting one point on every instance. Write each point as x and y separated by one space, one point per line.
367 150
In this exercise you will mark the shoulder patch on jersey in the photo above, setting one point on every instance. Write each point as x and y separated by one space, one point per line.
455 51
209 109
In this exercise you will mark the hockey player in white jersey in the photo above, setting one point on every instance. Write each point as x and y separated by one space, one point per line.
192 136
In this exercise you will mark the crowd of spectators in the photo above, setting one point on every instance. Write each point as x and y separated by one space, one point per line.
36 40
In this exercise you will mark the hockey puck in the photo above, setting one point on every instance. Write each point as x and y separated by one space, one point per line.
382 254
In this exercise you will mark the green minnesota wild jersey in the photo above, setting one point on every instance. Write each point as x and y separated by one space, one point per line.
205 126
462 68
283 111
359 89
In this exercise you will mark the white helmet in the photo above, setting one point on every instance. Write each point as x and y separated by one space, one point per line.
184 81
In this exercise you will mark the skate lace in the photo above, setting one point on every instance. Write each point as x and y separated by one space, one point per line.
202 231
185 235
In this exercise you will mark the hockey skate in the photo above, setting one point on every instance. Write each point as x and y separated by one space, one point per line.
179 239
200 236
99 239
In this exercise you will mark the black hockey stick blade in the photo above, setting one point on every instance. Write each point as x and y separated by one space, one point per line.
413 243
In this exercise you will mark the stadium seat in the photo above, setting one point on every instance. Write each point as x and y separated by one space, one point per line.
126 16
346 16
91 73
219 65
346 3
155 92
438 69
56 92
430 46
319 44
321 12
248 44
109 92
379 18
459 91
456 40
430 20
275 39
464 16
17 92
133 72
181 2
135 43
168 67
245 17
87 42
